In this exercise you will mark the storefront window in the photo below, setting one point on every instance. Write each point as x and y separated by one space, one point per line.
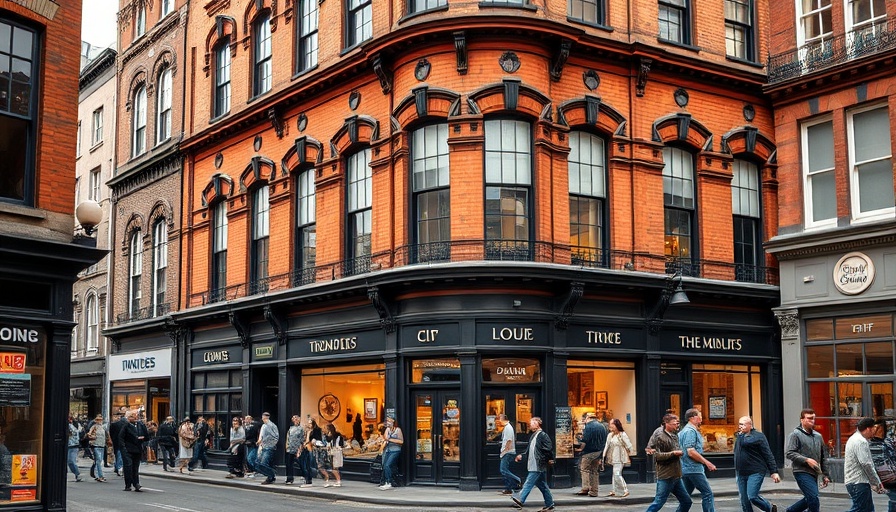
435 370
21 419
724 393
352 398
218 396
604 387
511 370
128 394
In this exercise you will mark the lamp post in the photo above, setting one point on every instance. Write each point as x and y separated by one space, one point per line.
89 214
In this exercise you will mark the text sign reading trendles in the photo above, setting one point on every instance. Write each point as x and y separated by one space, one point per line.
141 365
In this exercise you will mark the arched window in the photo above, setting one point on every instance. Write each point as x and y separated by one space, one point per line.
135 271
360 202
93 324
680 206
159 267
587 166
163 109
138 143
306 227
140 22
260 239
219 251
263 70
431 192
747 210
508 189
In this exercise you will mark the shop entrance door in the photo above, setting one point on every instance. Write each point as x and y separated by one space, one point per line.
675 398
436 435
518 404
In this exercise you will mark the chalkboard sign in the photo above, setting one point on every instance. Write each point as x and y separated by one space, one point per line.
563 433
15 390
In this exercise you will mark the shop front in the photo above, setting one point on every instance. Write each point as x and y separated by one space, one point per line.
141 381
86 387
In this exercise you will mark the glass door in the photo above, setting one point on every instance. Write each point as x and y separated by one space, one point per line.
436 436
519 406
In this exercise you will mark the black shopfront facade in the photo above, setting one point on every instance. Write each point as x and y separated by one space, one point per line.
446 360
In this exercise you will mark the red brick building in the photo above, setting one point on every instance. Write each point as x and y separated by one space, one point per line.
39 255
431 208
830 80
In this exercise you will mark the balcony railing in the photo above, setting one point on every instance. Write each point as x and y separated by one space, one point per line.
830 52
143 313
494 251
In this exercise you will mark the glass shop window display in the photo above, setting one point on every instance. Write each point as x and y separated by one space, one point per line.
723 394
606 388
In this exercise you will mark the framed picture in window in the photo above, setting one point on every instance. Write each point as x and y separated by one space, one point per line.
718 407
600 400
370 409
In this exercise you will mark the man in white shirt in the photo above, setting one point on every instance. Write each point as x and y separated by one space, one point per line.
858 468
508 452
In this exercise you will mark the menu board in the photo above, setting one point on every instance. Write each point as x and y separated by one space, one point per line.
563 433
15 390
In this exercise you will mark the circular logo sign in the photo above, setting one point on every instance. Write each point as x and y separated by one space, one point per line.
853 273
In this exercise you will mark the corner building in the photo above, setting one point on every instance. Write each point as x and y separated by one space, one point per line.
832 93
507 195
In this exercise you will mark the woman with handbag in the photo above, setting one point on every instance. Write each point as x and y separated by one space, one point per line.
335 445
97 437
237 449
187 439
617 452
394 439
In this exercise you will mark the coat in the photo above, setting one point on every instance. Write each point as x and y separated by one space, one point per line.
132 436
544 450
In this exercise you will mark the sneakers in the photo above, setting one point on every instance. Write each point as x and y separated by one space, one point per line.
328 484
78 479
337 484
230 475
307 485
288 482
386 486
250 475
505 492
517 501
100 479
547 509
267 482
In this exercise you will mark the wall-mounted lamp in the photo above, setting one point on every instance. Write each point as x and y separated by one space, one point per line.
673 294
89 214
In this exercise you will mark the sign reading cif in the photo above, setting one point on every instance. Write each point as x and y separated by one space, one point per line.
511 334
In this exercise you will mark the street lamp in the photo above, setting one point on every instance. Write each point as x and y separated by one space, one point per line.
89 214
673 294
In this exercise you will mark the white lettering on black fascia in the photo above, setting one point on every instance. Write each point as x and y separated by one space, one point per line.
333 344
710 343
513 334
220 356
138 363
611 338
18 334
427 335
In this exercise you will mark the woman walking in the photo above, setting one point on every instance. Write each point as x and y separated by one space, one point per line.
237 449
335 444
187 437
98 436
617 453
394 438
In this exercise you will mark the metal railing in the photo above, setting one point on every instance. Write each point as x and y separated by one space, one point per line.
492 250
823 54
143 313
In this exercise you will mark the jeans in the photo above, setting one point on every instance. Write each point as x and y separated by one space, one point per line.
305 465
251 457
861 497
119 463
168 454
669 486
291 461
511 481
537 479
199 456
748 487
73 460
390 463
264 463
808 485
619 486
698 481
891 505
98 460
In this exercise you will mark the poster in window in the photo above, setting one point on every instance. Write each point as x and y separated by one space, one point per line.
718 408
24 470
601 400
370 409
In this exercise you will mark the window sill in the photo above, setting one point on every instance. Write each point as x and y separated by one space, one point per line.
352 47
679 44
96 146
745 62
412 15
22 210
258 96
304 72
218 117
525 7
599 26
162 142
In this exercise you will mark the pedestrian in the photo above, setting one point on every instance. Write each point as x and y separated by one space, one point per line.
237 449
252 427
883 452
508 453
268 437
151 453
98 436
617 453
333 461
115 429
295 444
753 459
807 449
308 459
539 456
858 468
201 430
74 446
358 431
393 439
693 463
167 442
594 440
187 438
667 454
131 439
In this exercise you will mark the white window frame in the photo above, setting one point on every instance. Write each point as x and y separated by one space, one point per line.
135 272
95 190
78 147
167 7
163 108
96 134
807 188
140 22
138 138
801 30
159 263
93 323
854 190
850 23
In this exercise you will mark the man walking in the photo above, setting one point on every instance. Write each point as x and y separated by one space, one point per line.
806 448
594 438
74 445
668 466
859 474
168 442
267 443
131 439
752 460
508 453
115 429
540 455
693 463
201 431
295 444
252 428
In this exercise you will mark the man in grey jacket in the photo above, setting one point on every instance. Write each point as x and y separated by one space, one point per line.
806 448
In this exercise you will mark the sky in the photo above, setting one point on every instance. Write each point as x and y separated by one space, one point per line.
98 22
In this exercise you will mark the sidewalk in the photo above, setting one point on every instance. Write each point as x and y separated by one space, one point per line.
364 492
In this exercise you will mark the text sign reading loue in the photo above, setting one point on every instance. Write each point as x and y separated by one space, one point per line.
140 365
853 273
511 334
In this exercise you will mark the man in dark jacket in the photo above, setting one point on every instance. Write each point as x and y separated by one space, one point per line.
168 442
131 439
253 428
667 453
540 454
201 430
594 438
752 460
807 450
115 428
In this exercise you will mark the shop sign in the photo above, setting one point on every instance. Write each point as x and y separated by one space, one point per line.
347 343
600 337
719 343
262 352
142 365
511 370
872 326
511 334
429 335
12 362
20 335
853 273
218 355
563 434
